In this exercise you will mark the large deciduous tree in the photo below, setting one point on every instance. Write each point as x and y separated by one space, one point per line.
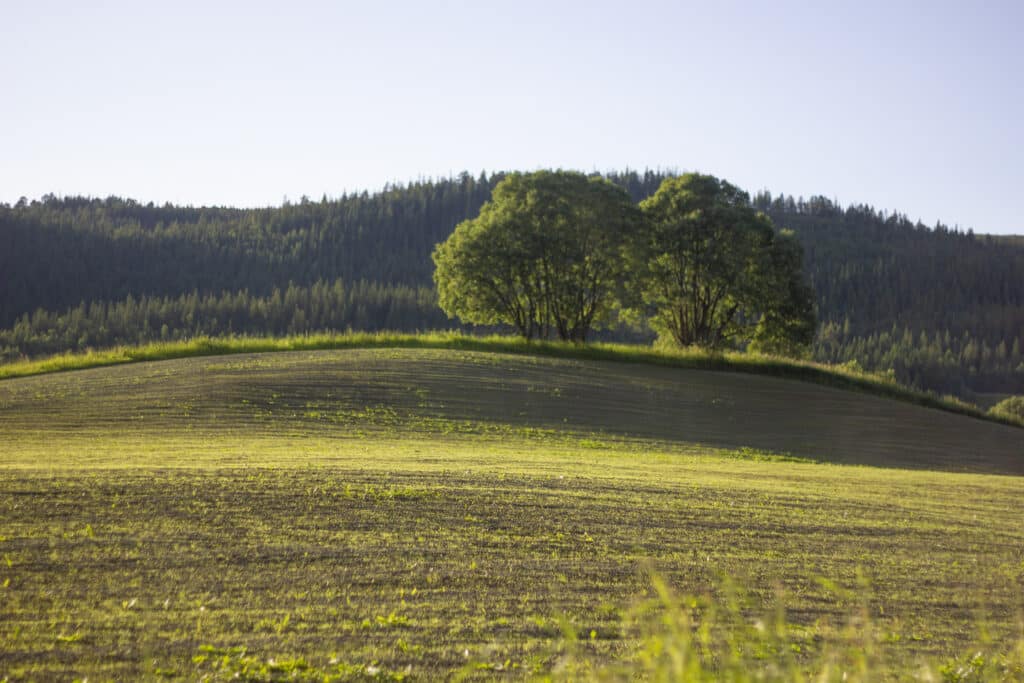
711 270
545 254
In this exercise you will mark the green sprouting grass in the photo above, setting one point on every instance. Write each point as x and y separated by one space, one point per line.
692 358
432 557
421 514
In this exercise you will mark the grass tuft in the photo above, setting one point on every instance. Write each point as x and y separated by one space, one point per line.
727 637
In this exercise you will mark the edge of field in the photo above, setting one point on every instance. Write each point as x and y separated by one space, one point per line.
688 358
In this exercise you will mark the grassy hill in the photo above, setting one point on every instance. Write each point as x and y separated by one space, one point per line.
430 390
397 513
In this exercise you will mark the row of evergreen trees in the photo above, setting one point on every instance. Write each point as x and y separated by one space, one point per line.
56 253
960 364
68 266
323 306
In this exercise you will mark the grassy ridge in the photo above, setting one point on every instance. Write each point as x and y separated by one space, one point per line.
837 376
376 392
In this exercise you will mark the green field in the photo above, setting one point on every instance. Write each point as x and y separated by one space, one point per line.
422 513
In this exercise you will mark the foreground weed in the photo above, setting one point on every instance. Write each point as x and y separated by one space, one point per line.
711 639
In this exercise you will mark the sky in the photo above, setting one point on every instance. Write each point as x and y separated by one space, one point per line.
914 107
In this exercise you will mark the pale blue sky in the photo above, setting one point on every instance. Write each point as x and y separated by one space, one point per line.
909 106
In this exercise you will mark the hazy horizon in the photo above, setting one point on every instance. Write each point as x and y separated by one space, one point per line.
839 201
908 107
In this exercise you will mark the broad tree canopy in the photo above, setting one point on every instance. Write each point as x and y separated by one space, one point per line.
545 254
711 270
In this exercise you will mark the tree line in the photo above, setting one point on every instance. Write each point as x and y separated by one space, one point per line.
365 306
59 252
872 272
961 364
560 252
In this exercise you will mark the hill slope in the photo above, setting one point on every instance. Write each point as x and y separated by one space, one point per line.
400 514
345 394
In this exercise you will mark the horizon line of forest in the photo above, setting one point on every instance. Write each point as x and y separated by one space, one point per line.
943 309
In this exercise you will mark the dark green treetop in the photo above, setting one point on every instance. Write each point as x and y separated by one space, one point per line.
788 322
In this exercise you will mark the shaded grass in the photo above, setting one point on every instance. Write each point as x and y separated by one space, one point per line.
692 358
393 393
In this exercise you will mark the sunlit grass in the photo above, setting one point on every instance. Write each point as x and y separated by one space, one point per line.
523 556
726 637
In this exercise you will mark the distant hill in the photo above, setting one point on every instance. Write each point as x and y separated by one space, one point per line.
943 309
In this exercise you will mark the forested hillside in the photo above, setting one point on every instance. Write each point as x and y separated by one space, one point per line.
943 309
57 253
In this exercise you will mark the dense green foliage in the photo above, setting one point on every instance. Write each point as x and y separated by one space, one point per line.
942 309
546 254
1010 408
711 271
789 323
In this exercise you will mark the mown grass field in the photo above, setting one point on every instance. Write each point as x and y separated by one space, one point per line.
422 514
